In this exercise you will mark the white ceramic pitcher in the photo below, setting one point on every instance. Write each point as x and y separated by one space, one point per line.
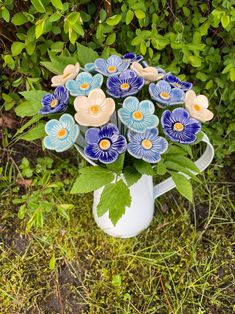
139 215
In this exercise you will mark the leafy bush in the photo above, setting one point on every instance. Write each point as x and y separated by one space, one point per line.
190 37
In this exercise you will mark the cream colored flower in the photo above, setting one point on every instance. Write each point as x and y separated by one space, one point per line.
197 106
94 110
150 74
69 73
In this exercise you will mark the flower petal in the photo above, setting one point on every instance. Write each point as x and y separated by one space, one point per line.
108 157
177 96
151 156
203 101
61 94
92 151
66 121
135 150
108 130
97 81
92 136
120 144
190 97
50 142
147 107
96 96
52 127
131 104
57 80
81 103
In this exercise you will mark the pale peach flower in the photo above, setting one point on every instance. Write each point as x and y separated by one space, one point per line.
69 73
197 106
94 110
150 74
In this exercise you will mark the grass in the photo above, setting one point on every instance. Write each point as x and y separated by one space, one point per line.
184 263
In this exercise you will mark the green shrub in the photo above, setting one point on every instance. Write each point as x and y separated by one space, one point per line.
190 37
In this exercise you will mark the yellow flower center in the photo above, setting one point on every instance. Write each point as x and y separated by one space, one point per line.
165 95
94 109
54 103
104 144
61 133
178 126
147 144
177 84
112 69
66 75
84 86
137 115
125 86
197 107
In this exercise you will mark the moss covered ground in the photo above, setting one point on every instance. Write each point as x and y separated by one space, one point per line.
184 263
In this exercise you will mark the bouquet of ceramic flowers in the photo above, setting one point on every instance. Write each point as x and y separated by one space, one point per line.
119 105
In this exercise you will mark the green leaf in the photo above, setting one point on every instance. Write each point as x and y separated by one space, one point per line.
91 179
117 281
34 133
143 167
117 165
175 166
140 14
17 47
39 29
225 20
34 95
161 168
114 20
38 6
183 161
57 4
32 105
114 198
183 185
131 175
52 262
19 19
5 14
111 39
195 61
232 74
86 54
129 17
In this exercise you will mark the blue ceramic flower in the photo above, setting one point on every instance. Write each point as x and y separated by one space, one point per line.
126 84
104 144
90 67
165 95
56 102
179 127
61 134
84 83
132 57
114 65
147 146
138 116
176 82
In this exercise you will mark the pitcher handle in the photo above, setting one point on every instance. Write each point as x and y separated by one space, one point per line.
202 163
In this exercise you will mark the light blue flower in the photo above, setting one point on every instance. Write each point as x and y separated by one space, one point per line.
165 95
138 116
90 67
114 65
84 83
147 146
61 134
